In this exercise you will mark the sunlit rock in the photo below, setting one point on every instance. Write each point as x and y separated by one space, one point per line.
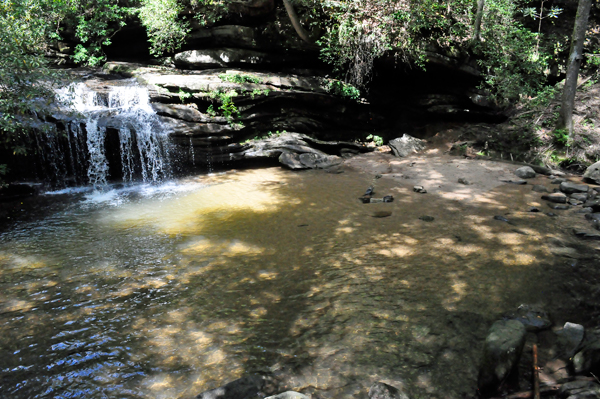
406 145
592 173
525 172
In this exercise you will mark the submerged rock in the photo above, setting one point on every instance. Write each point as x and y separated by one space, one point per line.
501 354
540 188
242 388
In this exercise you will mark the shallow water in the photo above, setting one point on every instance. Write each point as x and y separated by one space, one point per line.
164 292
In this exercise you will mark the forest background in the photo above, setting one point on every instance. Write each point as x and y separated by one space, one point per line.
521 47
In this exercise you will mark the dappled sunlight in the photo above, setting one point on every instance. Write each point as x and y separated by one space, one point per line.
194 212
270 268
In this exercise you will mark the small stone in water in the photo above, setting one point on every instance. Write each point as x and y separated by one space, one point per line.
464 181
534 209
426 218
419 189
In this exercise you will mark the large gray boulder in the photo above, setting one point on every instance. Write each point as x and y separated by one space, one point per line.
592 173
503 347
406 145
570 188
525 172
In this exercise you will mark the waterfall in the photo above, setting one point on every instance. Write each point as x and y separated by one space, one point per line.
100 124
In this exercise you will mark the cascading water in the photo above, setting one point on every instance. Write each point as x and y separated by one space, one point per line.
143 147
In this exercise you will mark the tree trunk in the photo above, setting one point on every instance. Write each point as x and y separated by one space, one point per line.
296 22
478 18
565 118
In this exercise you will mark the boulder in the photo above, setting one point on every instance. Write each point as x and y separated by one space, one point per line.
221 58
579 196
379 390
242 388
558 198
501 354
525 172
570 188
406 145
570 338
592 173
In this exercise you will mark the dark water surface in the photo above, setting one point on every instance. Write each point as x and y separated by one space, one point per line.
163 292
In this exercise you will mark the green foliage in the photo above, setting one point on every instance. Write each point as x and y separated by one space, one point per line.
228 108
267 135
561 137
258 92
342 89
166 31
513 68
26 80
378 140
239 78
184 95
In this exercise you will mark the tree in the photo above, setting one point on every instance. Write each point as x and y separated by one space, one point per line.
478 18
565 118
26 79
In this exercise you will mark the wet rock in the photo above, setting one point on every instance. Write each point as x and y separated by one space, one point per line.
464 181
534 209
574 202
426 218
570 188
533 317
514 181
594 204
288 395
379 390
242 388
558 180
551 214
501 354
525 172
587 235
419 189
559 207
580 390
501 218
406 145
579 196
570 338
585 210
539 188
592 216
558 198
592 173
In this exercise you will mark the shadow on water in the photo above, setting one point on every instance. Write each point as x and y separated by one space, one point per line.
269 271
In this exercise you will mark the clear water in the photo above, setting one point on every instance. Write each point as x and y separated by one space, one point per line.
166 291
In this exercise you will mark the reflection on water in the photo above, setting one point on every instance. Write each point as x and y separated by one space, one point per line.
163 292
